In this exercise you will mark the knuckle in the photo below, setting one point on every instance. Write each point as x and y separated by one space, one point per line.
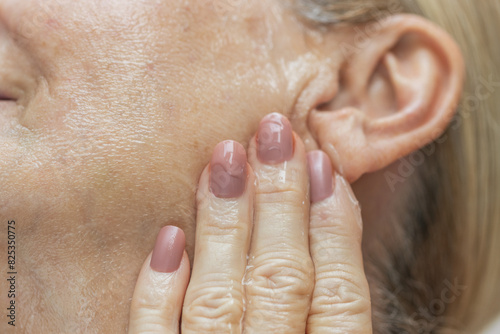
283 198
150 318
144 306
284 205
331 226
278 180
224 219
149 323
331 240
227 228
286 277
340 294
213 306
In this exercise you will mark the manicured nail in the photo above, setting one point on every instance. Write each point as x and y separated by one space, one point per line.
274 139
168 251
320 175
228 170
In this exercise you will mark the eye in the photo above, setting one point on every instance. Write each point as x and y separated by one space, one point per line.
8 107
5 98
8 90
8 113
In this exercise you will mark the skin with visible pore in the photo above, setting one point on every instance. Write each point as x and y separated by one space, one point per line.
110 111
268 259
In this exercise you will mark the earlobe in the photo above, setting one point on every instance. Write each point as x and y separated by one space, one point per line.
393 97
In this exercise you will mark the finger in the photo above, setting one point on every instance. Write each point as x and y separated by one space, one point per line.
159 291
341 298
214 299
280 276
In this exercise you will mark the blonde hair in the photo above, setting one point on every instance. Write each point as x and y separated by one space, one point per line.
456 204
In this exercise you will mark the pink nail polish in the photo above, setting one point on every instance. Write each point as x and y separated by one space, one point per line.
228 170
274 139
168 250
320 175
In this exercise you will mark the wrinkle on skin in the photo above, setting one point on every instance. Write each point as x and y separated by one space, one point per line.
120 104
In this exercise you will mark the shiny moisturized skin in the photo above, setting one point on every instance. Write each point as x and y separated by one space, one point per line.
114 108
111 109
253 266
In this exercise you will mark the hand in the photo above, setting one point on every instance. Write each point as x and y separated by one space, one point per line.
266 260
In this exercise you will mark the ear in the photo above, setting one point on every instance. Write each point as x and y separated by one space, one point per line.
394 95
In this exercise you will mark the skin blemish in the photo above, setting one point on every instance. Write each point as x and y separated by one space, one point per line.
53 23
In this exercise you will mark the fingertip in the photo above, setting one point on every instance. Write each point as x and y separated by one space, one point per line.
160 288
275 142
168 250
228 170
275 139
320 175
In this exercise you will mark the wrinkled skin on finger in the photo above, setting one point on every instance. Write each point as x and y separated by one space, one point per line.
115 107
108 114
261 265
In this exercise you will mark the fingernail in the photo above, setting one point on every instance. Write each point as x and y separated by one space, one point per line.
320 175
228 170
168 250
274 139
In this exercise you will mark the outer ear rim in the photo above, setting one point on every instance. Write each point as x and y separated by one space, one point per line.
452 57
378 156
405 24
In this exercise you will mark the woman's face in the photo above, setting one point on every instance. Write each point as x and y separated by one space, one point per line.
111 108
109 112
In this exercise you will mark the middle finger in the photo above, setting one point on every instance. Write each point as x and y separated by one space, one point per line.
280 270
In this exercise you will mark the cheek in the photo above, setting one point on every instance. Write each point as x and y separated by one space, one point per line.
92 154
